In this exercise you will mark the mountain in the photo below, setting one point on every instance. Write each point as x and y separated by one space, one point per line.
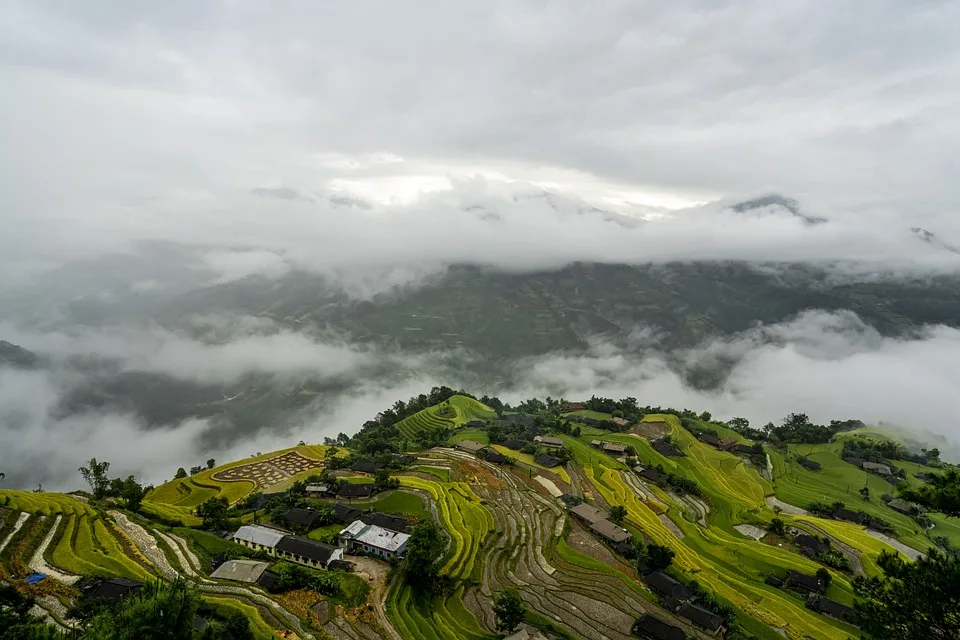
16 356
777 201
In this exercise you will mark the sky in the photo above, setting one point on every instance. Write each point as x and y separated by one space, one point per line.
376 142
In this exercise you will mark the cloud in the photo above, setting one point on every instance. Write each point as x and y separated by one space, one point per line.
830 366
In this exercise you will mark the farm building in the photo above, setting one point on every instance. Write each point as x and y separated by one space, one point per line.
496 458
318 490
366 466
849 516
666 587
475 424
857 462
706 620
656 629
374 540
470 446
877 468
111 589
269 581
353 490
596 443
258 537
811 545
709 438
516 445
614 448
394 523
345 513
666 448
804 582
907 508
297 518
654 476
831 608
726 443
546 460
248 571
609 531
747 449
809 464
524 634
309 553
549 441
588 513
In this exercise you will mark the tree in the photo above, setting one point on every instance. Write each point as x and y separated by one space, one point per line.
509 609
197 469
865 493
158 611
211 463
423 550
738 424
213 512
824 576
181 473
941 493
706 416
95 474
618 513
659 557
133 493
777 527
913 601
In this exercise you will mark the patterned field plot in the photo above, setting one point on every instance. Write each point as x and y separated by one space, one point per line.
268 472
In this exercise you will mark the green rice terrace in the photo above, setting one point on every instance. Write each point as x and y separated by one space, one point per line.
586 539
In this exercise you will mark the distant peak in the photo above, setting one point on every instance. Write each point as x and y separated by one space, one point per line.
932 239
776 200
11 354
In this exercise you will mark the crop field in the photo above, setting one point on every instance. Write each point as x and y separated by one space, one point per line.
586 413
88 546
45 504
448 414
399 502
477 435
261 630
440 618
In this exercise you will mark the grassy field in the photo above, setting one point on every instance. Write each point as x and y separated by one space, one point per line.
527 459
449 414
442 474
402 502
479 435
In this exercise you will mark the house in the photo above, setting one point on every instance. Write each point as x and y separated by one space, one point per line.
111 589
811 545
496 458
610 532
613 448
804 582
350 490
549 442
516 445
809 464
366 466
747 449
259 538
571 500
706 620
774 582
470 446
726 443
394 523
248 571
588 513
309 553
546 460
886 497
877 468
345 514
475 424
269 580
297 518
666 587
709 438
654 476
831 608
857 462
374 540
596 443
524 634
567 407
907 508
849 516
318 490
656 629
666 448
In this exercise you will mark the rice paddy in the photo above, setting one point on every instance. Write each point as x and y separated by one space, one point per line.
449 414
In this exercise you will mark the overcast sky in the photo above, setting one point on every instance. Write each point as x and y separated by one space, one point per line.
133 119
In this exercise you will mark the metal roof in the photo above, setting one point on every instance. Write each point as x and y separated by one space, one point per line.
257 534
355 528
382 538
240 570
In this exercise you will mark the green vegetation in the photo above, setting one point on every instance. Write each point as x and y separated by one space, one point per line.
448 414
399 501
88 546
478 435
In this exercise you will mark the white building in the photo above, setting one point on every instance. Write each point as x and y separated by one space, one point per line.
374 540
259 538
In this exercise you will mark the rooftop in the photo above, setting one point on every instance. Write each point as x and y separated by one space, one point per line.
240 570
655 628
665 585
470 445
546 460
378 537
345 513
258 534
610 531
309 549
701 617
303 517
355 490
549 441
588 513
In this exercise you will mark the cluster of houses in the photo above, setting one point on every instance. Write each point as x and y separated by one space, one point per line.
877 468
729 444
614 449
376 534
678 599
545 460
902 506
598 522
814 588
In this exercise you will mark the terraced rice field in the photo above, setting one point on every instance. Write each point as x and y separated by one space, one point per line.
88 545
528 460
447 415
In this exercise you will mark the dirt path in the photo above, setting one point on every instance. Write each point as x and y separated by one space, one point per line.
147 544
549 486
375 573
910 552
751 531
38 564
788 509
16 527
850 553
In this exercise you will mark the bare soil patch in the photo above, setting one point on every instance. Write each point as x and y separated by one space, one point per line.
585 543
268 472
651 430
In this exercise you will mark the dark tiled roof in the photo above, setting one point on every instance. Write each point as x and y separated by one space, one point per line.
268 580
393 523
352 490
610 531
833 609
748 449
345 514
516 445
849 516
309 549
301 517
546 460
666 448
366 466
497 458
709 438
657 629
340 565
811 583
666 586
114 589
653 475
815 545
701 617
475 423
810 464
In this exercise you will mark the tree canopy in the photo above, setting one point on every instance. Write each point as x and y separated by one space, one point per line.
941 493
508 608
